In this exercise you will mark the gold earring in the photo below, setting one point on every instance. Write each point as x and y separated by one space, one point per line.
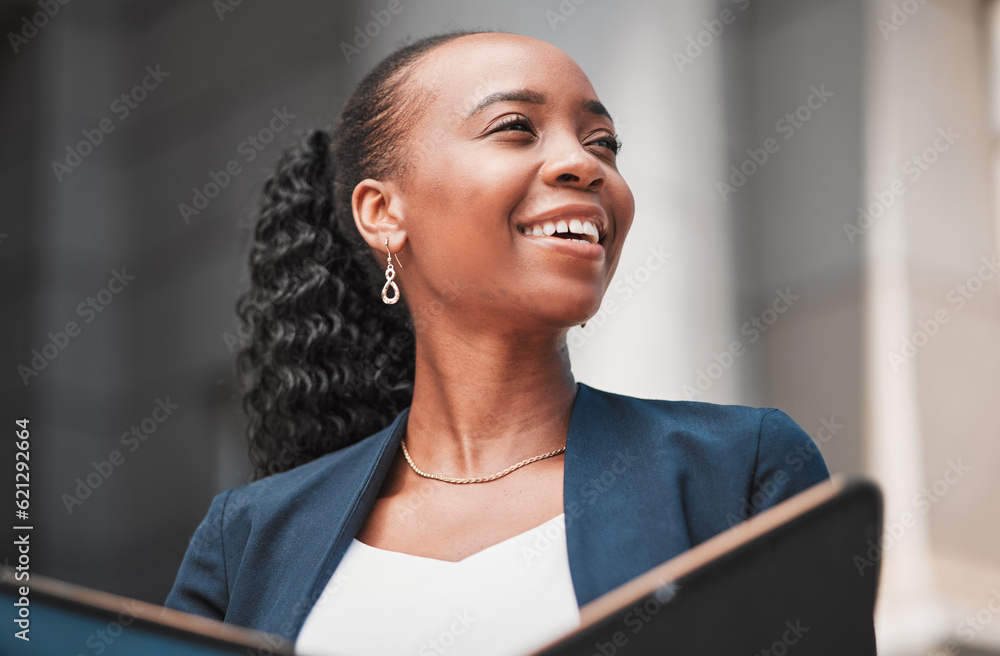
390 273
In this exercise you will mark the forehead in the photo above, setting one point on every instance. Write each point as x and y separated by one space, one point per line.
464 71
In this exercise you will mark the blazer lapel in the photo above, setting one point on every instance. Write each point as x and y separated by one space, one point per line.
612 533
363 474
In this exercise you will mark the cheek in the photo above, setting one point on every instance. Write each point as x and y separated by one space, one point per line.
459 219
461 178
624 207
626 198
467 195
493 179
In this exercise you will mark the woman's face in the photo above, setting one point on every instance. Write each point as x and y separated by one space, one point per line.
510 146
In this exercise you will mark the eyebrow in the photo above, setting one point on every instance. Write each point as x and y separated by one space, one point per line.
535 98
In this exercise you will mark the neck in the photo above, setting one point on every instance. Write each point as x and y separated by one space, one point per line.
482 403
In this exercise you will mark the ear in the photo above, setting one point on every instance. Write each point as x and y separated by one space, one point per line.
377 208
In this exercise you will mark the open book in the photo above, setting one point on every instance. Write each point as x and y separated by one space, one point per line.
799 578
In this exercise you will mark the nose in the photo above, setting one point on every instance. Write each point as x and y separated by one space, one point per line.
570 164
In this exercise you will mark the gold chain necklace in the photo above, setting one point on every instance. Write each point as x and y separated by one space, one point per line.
480 479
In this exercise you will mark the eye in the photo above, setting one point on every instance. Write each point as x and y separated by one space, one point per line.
608 141
514 123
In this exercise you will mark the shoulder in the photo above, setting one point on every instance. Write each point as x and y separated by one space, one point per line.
233 512
724 439
710 422
336 471
238 548
724 462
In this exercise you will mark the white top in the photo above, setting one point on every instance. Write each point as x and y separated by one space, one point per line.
510 598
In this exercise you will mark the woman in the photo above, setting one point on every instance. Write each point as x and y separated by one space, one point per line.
432 477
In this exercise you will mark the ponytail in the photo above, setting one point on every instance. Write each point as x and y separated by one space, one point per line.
324 366
327 363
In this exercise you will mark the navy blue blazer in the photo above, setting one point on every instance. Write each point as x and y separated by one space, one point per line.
643 481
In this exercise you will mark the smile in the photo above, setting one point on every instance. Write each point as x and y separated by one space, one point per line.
582 230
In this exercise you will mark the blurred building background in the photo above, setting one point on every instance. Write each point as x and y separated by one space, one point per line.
817 229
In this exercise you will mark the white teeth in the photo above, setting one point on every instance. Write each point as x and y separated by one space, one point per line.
571 226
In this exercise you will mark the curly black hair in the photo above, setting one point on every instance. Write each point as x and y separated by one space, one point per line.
326 363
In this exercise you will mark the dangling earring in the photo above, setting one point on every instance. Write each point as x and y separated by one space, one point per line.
390 273
583 325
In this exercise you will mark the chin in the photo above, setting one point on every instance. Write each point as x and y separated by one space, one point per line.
573 312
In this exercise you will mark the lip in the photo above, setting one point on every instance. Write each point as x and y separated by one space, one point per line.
579 249
581 211
583 250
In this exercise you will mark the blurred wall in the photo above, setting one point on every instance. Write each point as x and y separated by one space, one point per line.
754 134
182 105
